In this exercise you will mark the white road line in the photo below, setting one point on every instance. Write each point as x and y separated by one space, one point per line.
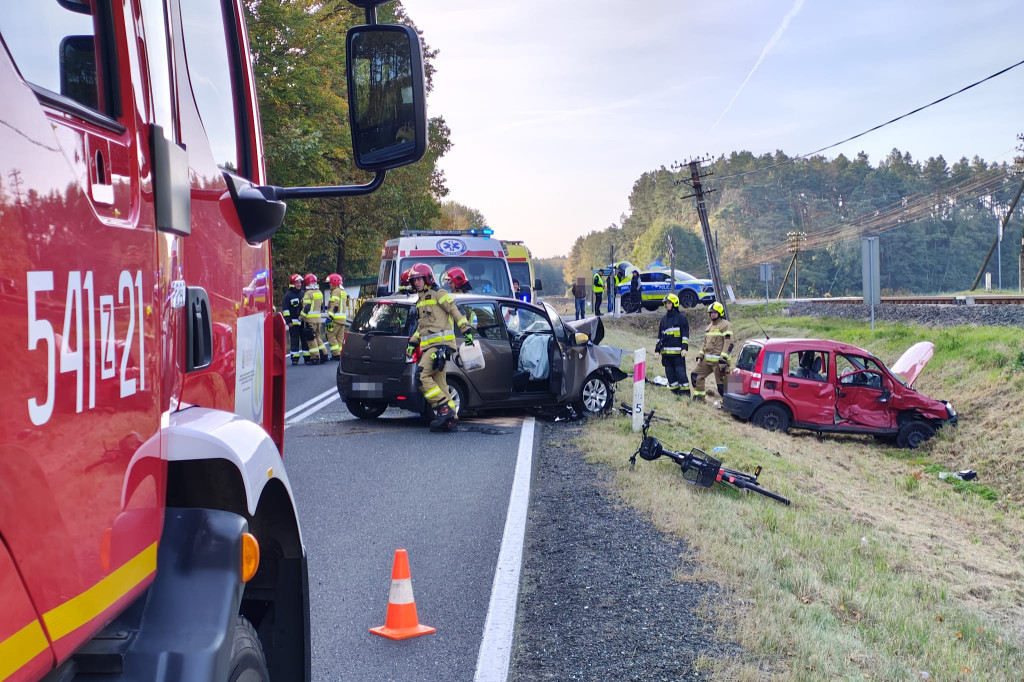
496 647
315 408
296 410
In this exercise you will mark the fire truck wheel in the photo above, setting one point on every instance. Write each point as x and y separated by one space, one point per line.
247 661
366 409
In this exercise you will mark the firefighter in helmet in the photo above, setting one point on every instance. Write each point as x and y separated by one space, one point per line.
404 285
336 316
291 308
455 278
713 358
312 307
435 339
673 342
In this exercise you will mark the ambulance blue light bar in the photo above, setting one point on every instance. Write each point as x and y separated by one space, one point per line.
484 232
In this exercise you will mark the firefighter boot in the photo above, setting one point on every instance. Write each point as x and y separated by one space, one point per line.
721 390
443 416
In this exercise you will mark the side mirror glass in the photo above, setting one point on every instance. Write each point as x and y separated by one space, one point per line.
537 286
581 338
386 96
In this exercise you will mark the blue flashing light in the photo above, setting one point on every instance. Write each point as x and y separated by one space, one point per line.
487 232
472 231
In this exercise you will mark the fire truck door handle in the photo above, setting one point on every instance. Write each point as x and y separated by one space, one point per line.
199 330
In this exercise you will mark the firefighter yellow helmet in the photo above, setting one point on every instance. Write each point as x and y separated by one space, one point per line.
673 299
716 307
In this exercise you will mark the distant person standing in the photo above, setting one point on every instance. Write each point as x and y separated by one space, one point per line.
336 316
579 292
673 342
598 291
714 356
519 293
291 308
312 324
635 295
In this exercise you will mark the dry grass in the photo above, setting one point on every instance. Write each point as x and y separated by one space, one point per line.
878 570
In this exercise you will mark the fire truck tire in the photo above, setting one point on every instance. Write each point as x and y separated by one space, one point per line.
248 664
366 409
913 433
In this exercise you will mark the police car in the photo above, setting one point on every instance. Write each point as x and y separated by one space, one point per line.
656 284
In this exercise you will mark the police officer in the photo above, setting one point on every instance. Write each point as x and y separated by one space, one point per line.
291 308
713 357
673 342
598 291
436 310
312 307
336 316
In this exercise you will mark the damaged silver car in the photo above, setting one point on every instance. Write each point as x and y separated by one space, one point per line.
533 359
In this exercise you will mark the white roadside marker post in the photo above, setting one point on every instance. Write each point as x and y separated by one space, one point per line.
639 379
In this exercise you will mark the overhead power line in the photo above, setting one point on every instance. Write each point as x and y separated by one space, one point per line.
871 130
906 210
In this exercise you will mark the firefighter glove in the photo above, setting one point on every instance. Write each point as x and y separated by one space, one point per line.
700 357
726 359
469 338
330 325
657 347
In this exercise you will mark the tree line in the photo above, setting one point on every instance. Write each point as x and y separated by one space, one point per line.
935 222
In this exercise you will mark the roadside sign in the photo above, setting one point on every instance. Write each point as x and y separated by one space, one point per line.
766 272
870 267
639 379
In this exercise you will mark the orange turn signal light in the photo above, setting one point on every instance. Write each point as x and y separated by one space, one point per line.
250 556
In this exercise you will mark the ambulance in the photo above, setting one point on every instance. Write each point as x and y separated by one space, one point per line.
484 259
520 263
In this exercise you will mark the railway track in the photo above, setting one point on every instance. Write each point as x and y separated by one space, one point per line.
980 299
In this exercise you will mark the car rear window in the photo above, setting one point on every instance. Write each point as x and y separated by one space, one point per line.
387 317
748 356
772 363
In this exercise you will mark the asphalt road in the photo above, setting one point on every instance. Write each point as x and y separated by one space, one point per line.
367 488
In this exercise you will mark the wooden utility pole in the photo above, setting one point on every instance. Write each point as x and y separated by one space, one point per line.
796 241
696 173
786 278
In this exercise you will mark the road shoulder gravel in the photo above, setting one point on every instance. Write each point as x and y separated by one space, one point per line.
598 597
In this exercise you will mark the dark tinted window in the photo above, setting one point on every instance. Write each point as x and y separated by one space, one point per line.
748 356
56 46
384 317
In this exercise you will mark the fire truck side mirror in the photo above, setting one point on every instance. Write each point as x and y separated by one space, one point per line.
172 190
386 95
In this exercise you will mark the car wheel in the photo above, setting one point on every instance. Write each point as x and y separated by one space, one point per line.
366 409
689 299
248 664
772 418
913 433
595 396
457 392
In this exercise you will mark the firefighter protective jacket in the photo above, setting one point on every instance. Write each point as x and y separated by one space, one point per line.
312 304
291 306
436 310
674 333
336 306
715 336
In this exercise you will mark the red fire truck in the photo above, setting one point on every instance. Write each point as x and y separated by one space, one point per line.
147 526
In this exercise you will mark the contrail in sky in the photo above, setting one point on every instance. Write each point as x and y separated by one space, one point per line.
764 53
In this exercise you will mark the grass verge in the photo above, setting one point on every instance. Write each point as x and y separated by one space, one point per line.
879 569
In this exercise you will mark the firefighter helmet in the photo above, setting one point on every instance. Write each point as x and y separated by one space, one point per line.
335 279
673 299
310 279
422 270
716 307
457 277
296 280
403 281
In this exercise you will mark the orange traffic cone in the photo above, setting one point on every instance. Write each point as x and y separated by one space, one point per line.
401 621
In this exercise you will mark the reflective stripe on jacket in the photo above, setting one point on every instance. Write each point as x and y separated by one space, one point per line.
312 304
714 339
336 305
436 310
674 333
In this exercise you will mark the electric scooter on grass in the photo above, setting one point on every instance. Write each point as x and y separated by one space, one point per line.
698 467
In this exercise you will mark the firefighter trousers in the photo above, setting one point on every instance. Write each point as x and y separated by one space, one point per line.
299 347
317 349
335 338
433 382
675 370
704 370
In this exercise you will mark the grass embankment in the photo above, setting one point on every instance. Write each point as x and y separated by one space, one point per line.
878 569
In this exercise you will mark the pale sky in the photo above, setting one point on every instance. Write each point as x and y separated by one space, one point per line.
557 107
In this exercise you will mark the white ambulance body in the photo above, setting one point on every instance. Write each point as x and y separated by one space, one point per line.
483 258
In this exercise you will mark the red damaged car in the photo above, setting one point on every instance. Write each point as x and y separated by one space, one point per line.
833 387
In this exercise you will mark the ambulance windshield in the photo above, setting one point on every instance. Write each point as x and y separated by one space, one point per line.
486 275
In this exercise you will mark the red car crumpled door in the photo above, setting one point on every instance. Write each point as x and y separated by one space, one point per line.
813 397
865 398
